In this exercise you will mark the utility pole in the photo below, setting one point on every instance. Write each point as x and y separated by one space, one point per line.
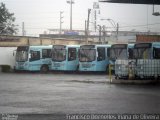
96 9
61 17
100 35
89 11
117 31
95 18
70 2
104 33
115 25
87 27
23 29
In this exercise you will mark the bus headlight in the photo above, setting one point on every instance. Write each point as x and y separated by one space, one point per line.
63 64
93 64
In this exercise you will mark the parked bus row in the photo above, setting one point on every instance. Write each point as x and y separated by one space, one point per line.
63 58
137 60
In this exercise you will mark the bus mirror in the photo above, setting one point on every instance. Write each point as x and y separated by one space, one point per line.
97 55
29 56
14 52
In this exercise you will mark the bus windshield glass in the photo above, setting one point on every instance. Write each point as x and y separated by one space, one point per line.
156 53
118 52
142 51
58 55
87 55
22 54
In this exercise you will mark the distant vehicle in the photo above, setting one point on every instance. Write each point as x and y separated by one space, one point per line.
122 54
65 58
94 58
33 58
7 58
147 56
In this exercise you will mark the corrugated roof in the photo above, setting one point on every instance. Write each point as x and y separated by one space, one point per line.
155 2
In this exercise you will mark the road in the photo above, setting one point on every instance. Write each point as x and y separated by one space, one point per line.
58 93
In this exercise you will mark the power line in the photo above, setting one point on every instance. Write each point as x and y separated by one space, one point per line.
144 25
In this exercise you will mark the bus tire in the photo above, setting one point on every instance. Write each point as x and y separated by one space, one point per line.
44 69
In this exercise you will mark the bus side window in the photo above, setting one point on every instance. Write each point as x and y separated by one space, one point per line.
101 54
35 55
46 53
156 53
108 52
71 54
130 53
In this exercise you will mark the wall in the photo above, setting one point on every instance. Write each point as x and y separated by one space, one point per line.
147 38
14 41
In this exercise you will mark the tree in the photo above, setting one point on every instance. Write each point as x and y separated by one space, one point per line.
7 26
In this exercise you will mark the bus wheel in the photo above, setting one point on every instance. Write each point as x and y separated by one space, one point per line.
44 69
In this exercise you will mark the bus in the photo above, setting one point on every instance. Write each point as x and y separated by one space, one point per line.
7 58
65 58
147 56
33 58
122 55
94 58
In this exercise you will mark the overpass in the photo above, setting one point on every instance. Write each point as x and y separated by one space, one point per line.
149 2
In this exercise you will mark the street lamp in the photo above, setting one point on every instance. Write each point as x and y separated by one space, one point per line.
113 23
70 2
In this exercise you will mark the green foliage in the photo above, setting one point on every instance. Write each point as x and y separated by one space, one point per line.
6 21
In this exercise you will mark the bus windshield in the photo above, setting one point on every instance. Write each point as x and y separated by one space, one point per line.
21 56
118 53
142 53
87 55
59 55
156 53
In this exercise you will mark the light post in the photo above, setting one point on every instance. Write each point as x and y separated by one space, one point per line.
61 17
100 35
70 2
114 24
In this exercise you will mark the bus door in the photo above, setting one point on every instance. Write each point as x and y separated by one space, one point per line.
101 59
72 59
34 59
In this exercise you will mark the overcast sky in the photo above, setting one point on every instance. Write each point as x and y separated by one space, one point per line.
40 15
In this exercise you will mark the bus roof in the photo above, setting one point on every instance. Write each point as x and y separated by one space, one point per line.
95 45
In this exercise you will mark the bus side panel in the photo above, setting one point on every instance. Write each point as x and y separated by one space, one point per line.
60 66
87 66
72 65
36 65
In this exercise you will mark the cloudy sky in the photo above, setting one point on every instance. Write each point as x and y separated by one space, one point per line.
41 15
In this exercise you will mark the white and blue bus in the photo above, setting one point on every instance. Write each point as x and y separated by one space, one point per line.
122 55
147 56
65 57
94 58
33 58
